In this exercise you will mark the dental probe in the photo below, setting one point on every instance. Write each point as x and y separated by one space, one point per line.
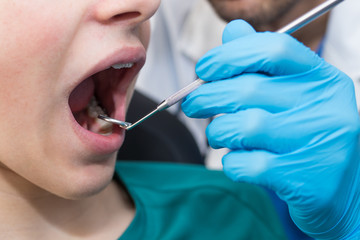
176 97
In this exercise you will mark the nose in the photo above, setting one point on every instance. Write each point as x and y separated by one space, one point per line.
129 11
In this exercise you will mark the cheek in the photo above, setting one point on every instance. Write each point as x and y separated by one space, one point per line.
145 33
28 67
144 36
30 35
29 61
32 41
31 46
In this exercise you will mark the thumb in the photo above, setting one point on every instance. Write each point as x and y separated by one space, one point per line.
236 29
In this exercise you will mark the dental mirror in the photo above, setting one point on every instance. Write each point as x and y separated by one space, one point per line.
121 124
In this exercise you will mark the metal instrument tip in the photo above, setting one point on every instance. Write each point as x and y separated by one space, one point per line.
121 124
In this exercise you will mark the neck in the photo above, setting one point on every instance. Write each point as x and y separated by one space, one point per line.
310 35
38 214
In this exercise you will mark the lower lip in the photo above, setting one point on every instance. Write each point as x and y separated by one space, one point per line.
99 144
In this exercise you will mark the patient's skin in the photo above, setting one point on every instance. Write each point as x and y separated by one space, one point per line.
55 174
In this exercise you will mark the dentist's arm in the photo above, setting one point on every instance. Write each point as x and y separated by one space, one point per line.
291 121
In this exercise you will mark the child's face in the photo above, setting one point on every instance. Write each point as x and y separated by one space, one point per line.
55 56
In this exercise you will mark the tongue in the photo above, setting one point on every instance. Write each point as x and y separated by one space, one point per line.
80 97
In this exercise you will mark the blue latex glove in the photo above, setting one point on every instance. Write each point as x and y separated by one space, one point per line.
291 122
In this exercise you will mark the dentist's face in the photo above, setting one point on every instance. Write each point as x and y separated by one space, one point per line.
256 12
55 57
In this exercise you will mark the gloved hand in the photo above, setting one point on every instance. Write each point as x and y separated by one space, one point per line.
291 122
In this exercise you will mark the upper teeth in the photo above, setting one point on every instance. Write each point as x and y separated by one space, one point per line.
94 108
122 65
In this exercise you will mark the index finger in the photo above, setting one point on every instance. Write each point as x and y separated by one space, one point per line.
269 53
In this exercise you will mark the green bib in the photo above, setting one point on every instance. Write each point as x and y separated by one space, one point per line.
178 201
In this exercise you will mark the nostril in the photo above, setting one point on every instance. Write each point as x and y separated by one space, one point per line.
125 16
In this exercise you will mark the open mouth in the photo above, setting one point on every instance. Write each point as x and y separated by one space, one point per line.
102 93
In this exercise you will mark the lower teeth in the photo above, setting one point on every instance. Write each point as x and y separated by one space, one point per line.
99 126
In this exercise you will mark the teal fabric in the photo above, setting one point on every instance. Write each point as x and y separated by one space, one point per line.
178 201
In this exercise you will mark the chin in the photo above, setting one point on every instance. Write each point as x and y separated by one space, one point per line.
88 180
